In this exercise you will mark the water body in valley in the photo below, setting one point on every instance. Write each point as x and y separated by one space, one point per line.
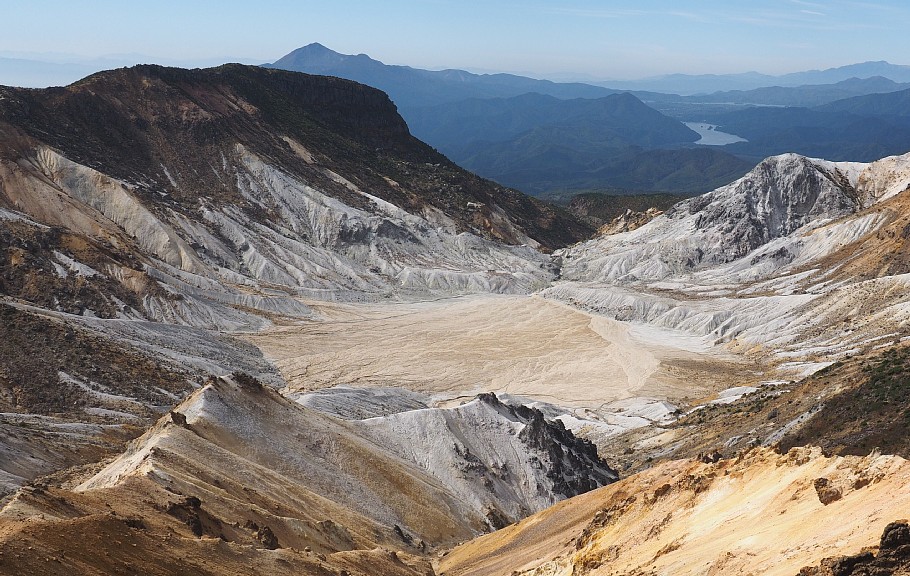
710 136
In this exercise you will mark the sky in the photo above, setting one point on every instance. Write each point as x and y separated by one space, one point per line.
577 39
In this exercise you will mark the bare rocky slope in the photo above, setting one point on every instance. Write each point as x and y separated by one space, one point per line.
150 215
799 268
260 179
455 473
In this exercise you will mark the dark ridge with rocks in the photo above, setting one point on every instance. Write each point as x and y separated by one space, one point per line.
32 270
35 350
599 208
870 410
574 464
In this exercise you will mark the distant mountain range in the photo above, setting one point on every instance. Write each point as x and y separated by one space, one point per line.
614 121
688 84
34 73
541 145
546 137
888 105
806 95
536 135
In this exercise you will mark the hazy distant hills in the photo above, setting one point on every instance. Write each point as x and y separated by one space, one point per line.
537 135
409 87
890 104
540 144
806 95
859 129
687 171
688 84
29 70
33 73
543 145
617 120
896 72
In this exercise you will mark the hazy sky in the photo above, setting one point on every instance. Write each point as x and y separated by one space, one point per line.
603 40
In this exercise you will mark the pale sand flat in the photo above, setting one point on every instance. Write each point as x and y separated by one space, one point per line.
521 345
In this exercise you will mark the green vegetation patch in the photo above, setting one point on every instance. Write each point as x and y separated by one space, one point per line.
875 413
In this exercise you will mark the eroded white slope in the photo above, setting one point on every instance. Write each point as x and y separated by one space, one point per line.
115 201
749 265
327 245
227 266
483 439
781 195
884 179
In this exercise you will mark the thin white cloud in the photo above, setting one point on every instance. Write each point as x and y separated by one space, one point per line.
875 6
809 4
689 16
610 13
595 13
801 19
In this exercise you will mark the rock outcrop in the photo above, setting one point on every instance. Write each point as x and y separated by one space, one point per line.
772 262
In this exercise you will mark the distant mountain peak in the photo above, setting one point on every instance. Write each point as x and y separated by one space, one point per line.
689 84
314 56
626 98
316 46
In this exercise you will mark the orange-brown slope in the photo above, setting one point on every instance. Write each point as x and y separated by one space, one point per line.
237 466
253 457
762 513
140 528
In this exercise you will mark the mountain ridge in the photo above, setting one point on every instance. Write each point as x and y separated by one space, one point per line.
127 143
413 86
892 103
541 144
803 95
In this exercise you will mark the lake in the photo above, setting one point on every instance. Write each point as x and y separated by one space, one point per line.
712 137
